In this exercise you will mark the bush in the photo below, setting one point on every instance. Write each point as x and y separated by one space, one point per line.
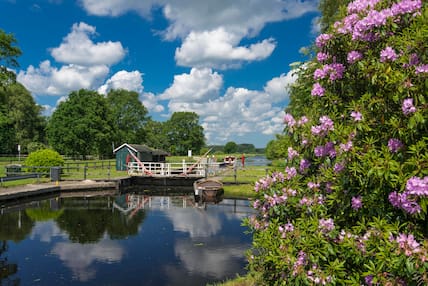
350 207
43 158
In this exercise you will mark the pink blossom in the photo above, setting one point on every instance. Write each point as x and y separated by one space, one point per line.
394 145
317 90
289 120
388 54
322 40
356 203
421 69
322 57
354 56
292 153
356 115
408 106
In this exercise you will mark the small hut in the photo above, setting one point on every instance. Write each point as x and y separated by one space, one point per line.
142 152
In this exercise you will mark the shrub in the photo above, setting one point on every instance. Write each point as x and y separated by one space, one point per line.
350 206
43 158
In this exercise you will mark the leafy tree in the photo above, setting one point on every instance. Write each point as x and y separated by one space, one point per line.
7 135
246 148
184 133
230 147
22 115
128 114
354 192
8 58
154 135
81 125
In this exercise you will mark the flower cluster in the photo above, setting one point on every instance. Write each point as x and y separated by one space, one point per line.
408 244
415 188
363 18
388 54
326 225
327 150
326 125
408 106
394 145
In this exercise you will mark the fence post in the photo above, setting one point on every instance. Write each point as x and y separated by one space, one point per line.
235 173
85 168
108 172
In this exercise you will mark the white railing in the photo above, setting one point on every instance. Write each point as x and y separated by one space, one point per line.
157 169
165 169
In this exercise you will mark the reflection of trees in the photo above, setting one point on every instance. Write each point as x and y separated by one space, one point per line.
15 226
87 219
44 212
7 269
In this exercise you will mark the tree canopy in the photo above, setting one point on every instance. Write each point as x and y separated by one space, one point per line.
8 58
184 133
82 125
129 116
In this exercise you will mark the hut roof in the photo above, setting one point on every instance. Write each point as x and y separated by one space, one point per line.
142 149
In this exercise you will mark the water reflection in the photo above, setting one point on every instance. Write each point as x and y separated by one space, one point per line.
117 240
80 258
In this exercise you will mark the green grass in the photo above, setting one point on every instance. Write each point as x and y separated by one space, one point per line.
247 280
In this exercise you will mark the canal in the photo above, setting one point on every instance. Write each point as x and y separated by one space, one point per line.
122 239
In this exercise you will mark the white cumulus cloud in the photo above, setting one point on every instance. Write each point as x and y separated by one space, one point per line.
49 80
132 81
219 49
77 48
199 85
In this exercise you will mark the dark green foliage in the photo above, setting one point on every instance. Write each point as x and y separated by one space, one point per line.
8 58
184 133
82 125
230 147
129 116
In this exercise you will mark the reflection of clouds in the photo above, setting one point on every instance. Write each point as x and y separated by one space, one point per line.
46 230
215 262
196 223
79 257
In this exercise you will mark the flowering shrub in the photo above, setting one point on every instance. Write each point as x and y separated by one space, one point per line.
350 207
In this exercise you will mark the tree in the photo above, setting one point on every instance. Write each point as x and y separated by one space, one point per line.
184 133
354 191
230 147
154 135
8 58
128 114
23 116
81 125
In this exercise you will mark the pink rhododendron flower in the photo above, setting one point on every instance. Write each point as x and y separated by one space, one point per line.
317 90
354 56
356 115
388 54
408 106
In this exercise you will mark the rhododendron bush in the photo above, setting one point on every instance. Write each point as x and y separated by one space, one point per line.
350 207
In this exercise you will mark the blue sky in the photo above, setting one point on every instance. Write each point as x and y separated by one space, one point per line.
226 60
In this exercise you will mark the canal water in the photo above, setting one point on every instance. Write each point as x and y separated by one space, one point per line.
127 239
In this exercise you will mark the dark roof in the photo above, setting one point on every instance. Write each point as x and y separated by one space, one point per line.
142 149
